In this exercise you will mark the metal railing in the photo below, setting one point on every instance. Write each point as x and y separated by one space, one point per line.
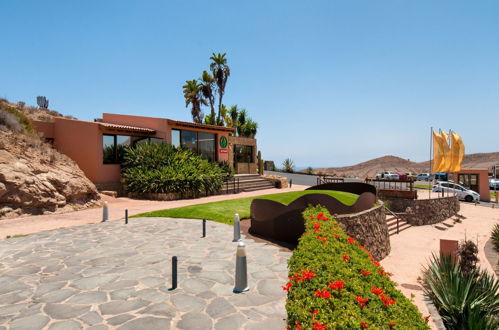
406 185
321 179
231 186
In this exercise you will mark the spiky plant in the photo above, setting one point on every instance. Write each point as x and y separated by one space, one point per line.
468 252
495 237
464 301
288 165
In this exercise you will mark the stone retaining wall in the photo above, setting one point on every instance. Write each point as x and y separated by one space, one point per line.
370 229
278 181
420 212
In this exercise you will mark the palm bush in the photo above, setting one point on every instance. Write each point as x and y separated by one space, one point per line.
162 168
465 301
495 237
288 165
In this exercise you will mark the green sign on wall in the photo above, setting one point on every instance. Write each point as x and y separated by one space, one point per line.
223 142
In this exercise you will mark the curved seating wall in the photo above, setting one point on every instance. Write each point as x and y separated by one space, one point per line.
357 188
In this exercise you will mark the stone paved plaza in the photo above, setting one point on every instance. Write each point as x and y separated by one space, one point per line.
116 276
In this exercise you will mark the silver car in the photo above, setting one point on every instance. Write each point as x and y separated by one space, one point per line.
460 191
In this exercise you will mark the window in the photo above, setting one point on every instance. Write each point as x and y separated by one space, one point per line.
199 142
243 154
113 147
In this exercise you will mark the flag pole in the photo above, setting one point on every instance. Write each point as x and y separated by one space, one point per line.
431 145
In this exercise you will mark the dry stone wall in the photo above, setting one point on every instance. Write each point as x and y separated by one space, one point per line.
420 212
370 229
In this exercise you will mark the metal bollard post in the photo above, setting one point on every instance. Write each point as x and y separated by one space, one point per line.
126 217
237 228
105 213
241 284
290 183
204 227
174 273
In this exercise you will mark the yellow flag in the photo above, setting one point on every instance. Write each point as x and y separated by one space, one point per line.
446 161
457 152
437 151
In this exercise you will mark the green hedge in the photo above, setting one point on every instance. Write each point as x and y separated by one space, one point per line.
162 168
336 284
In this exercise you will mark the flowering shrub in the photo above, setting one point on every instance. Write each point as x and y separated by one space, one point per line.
335 283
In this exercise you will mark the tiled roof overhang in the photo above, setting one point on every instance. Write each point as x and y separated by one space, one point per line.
200 126
125 128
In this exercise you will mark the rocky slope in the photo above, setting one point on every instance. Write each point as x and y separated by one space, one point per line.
35 178
392 163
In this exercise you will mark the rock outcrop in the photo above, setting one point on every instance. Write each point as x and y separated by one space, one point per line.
36 179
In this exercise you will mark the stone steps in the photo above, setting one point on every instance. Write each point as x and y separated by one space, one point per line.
391 221
247 182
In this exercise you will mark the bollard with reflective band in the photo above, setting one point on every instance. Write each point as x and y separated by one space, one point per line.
241 270
237 228
105 213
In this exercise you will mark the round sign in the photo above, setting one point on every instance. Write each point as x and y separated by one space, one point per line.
223 141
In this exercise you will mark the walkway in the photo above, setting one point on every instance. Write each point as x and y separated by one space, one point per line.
411 249
111 275
117 206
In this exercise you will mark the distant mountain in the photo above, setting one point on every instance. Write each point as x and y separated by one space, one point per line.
392 163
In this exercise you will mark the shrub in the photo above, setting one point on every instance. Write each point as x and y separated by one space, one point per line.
227 169
495 237
464 301
336 283
288 165
9 121
24 121
162 168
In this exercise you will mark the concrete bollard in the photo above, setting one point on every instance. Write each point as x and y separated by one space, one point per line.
105 213
241 284
237 228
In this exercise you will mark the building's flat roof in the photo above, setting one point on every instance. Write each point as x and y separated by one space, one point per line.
203 126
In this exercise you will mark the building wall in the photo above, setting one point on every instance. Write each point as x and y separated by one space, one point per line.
160 125
243 168
483 181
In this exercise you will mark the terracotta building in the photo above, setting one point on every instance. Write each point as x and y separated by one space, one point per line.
95 146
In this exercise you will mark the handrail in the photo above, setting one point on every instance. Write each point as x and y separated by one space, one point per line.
395 215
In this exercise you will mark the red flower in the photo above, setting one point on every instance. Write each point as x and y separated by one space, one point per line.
321 238
312 218
287 286
362 301
351 240
376 263
376 291
317 230
337 285
298 326
320 215
323 294
365 272
319 326
392 324
387 300
315 312
336 236
317 225
346 257
307 274
363 325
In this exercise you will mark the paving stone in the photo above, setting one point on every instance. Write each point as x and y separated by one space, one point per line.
119 307
89 283
186 303
160 310
271 288
194 321
219 277
147 323
98 327
194 285
65 311
93 297
264 274
14 297
11 287
30 323
56 296
119 319
122 294
247 299
231 322
48 287
152 295
266 324
207 295
12 309
119 285
219 307
65 325
91 318
152 281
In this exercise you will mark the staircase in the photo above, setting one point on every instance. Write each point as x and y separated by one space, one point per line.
392 219
246 182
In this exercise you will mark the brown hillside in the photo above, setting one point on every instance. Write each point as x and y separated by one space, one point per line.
392 163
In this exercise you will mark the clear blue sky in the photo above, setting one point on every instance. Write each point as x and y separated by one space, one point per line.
331 83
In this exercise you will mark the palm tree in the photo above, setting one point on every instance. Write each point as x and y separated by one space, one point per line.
193 96
221 73
234 114
207 83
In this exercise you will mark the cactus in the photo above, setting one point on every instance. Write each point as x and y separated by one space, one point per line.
260 162
42 102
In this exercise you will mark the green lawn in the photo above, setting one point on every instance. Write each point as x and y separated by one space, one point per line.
224 211
423 186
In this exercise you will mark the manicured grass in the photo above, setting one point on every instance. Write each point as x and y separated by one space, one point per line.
224 211
423 186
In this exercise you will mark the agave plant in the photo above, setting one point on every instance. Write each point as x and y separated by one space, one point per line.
288 165
495 237
464 301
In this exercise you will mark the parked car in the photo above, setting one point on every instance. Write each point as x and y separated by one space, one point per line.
424 177
460 191
441 177
411 176
494 183
387 175
402 176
